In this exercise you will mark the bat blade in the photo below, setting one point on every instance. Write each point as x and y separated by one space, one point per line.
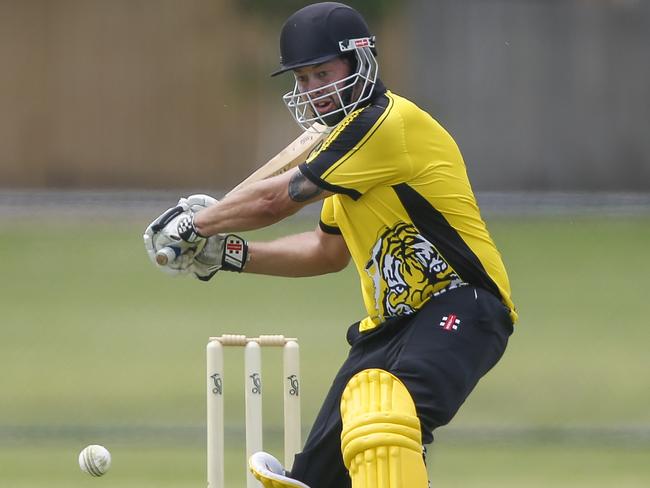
290 157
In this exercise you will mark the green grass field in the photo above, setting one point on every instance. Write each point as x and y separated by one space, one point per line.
99 347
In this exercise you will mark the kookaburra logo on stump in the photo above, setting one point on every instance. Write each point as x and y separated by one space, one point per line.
257 384
294 385
218 384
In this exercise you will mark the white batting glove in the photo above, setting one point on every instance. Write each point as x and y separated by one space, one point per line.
270 472
197 202
222 251
185 223
157 237
171 234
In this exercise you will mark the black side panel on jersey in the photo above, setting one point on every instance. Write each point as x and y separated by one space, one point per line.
344 142
434 227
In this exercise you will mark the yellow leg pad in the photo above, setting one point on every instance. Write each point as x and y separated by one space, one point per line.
381 440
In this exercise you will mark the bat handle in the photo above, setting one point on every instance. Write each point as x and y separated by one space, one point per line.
165 256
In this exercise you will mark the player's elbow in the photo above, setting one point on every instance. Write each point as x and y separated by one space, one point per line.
336 257
338 262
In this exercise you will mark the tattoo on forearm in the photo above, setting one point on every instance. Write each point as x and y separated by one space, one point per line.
301 189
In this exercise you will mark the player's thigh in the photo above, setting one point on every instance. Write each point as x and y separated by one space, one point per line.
451 344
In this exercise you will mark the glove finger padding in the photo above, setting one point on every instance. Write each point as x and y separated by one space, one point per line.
270 472
185 223
197 202
207 262
163 232
183 252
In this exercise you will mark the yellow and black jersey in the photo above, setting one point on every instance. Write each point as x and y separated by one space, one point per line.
405 207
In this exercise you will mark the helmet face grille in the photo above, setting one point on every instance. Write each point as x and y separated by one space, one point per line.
348 92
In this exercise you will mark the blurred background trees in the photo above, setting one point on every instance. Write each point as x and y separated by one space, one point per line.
162 94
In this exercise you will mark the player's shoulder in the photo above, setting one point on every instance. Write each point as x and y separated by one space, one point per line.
383 118
360 124
374 111
406 108
413 118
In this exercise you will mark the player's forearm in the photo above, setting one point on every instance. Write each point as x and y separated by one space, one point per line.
252 208
298 255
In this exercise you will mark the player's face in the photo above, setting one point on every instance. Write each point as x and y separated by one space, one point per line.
320 80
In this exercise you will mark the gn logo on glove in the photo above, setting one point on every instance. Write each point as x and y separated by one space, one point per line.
234 252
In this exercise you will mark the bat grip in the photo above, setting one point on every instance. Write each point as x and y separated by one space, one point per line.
165 255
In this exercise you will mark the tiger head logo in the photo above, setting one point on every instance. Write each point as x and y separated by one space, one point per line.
406 269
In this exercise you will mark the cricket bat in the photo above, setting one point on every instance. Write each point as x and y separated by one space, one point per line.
290 157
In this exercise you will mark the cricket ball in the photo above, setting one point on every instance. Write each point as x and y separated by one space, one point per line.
95 460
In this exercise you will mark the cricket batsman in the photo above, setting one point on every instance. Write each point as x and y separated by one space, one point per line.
396 199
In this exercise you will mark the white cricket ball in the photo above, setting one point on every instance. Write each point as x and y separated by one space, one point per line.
95 460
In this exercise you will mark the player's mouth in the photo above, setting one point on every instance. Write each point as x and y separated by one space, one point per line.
324 106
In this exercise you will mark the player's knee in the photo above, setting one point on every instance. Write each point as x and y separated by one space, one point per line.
381 440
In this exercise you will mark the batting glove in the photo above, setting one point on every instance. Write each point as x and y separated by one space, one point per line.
174 232
222 251
270 472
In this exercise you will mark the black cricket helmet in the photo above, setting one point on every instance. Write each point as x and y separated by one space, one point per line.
319 33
